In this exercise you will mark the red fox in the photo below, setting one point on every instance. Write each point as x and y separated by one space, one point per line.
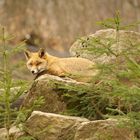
80 69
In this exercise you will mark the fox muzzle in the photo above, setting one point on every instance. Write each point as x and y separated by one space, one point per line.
34 71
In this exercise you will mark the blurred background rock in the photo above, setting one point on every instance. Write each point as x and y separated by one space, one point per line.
56 24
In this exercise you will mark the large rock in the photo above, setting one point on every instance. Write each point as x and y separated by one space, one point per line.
103 130
47 87
127 40
48 126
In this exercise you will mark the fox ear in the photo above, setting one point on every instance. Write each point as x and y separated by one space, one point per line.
27 54
41 53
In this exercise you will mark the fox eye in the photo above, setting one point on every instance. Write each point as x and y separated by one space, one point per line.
30 64
38 63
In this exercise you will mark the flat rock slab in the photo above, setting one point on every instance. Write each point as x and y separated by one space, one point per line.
48 126
103 130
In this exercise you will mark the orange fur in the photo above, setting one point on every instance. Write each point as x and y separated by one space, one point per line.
79 69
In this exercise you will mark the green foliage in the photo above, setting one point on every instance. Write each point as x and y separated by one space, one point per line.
11 88
116 90
24 113
116 23
113 23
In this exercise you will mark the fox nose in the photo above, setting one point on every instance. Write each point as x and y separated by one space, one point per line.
33 71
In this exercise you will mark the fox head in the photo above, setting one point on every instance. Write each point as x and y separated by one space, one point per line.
36 62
